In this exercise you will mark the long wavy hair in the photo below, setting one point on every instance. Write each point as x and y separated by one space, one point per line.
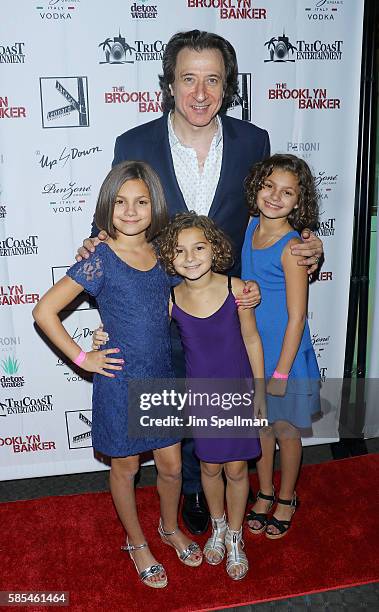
307 212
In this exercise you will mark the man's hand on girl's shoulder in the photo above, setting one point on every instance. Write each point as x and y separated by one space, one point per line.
311 249
89 245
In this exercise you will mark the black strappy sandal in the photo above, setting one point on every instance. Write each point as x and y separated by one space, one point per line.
261 517
281 525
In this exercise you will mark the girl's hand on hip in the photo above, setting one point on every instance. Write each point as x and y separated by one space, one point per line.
99 338
250 297
96 361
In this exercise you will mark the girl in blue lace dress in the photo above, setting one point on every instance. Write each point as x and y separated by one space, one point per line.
283 201
132 292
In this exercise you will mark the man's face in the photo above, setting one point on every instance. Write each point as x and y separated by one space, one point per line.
198 87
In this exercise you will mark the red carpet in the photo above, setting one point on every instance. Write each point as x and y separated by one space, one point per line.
72 543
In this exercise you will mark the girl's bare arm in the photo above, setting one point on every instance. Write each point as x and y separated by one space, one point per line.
46 316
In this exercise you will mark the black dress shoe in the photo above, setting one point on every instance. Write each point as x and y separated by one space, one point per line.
195 513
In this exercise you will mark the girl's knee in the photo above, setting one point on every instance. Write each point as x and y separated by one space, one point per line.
236 471
211 470
286 431
125 467
170 471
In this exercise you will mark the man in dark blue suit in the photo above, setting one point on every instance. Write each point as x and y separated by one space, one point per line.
202 157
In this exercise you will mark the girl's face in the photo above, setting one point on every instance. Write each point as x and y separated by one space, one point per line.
279 194
193 254
132 210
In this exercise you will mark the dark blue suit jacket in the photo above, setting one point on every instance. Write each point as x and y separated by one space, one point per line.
244 144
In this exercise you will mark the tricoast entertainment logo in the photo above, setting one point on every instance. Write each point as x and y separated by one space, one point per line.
26 405
231 9
282 50
117 50
56 92
12 53
12 246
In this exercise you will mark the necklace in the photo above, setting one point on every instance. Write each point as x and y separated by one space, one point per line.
269 239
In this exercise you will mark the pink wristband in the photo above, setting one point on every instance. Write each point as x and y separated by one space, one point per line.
80 358
277 374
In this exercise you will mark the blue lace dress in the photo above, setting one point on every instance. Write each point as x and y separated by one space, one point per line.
133 306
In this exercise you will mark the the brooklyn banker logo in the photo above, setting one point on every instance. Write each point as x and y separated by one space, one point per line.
117 50
16 295
231 9
12 53
64 102
79 428
281 49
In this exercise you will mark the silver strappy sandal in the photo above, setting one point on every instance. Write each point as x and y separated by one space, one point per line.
148 572
235 556
184 555
216 543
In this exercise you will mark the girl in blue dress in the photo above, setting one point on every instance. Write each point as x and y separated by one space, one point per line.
282 198
132 291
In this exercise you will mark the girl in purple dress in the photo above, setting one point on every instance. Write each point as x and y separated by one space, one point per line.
220 341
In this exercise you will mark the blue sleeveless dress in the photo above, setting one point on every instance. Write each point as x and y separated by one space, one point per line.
264 266
214 349
133 306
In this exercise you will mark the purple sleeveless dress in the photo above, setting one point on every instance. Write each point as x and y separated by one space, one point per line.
214 349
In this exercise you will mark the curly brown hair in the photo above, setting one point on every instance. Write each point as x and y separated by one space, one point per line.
222 255
307 212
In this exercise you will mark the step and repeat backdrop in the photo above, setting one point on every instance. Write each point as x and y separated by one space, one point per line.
75 74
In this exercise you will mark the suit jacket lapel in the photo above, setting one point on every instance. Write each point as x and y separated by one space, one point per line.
229 137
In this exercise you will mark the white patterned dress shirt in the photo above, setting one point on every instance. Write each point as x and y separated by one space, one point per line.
198 187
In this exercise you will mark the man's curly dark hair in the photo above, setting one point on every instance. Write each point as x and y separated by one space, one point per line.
307 212
198 40
222 258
